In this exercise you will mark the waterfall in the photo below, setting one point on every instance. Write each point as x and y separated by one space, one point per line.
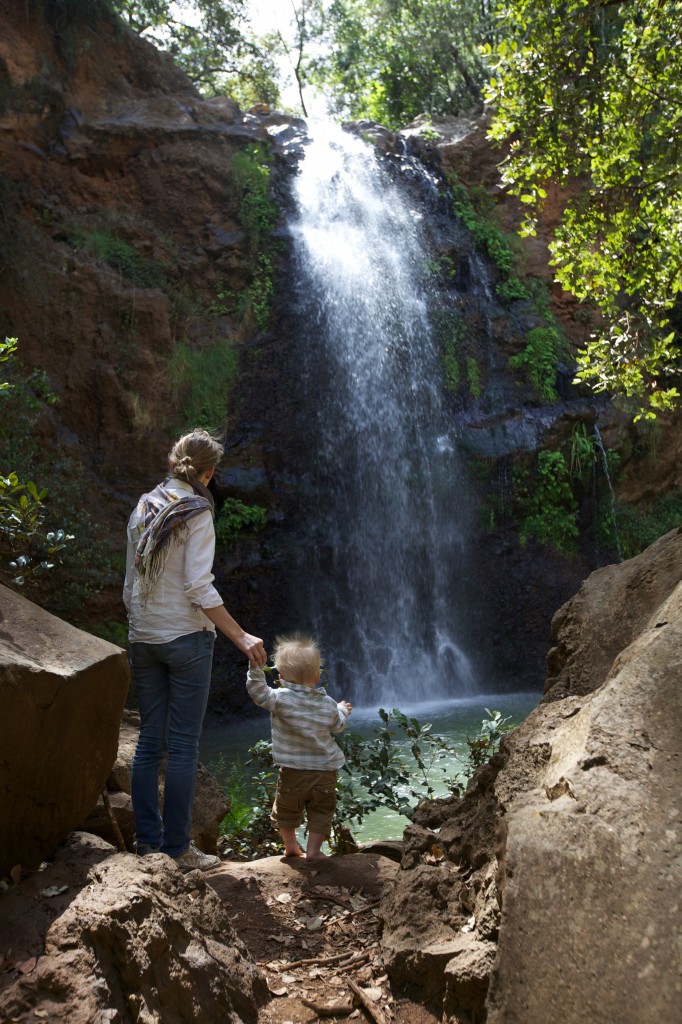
605 464
384 520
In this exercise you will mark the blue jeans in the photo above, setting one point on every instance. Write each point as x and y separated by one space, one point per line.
172 682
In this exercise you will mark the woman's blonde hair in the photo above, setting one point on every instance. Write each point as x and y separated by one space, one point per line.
193 454
297 658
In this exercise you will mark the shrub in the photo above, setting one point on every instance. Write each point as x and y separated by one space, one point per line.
473 378
235 517
88 559
513 290
637 528
28 547
583 454
121 256
258 211
488 237
454 335
201 381
550 512
545 347
394 769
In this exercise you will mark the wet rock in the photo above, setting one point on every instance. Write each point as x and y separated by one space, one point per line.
61 696
385 141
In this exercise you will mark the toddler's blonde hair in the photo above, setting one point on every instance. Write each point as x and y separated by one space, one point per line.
297 658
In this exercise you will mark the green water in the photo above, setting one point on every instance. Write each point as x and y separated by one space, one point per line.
454 719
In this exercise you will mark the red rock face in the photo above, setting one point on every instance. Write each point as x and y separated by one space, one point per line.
99 146
105 143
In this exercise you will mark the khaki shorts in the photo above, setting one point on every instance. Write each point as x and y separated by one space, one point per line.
299 791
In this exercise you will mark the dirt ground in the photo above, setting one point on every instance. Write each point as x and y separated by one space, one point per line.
314 930
312 927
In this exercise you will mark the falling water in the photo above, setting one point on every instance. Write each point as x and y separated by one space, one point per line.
605 464
386 487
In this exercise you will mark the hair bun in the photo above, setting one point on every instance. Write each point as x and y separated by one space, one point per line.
193 454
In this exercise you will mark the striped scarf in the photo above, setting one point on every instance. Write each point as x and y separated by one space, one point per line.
162 520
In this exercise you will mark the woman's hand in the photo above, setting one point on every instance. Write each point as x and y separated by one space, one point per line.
253 648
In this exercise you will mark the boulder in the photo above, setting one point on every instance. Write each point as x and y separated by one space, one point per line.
61 696
140 941
565 853
467 975
614 603
592 867
210 802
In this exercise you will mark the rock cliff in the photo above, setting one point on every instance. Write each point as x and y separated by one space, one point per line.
556 891
125 262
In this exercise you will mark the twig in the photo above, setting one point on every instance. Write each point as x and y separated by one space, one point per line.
363 910
328 899
375 1012
333 1010
120 841
323 961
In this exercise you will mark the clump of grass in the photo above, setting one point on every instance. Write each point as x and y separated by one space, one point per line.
120 255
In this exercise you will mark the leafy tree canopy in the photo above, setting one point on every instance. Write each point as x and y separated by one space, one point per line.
390 60
591 90
212 42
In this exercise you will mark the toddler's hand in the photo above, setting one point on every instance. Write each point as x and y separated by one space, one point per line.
347 705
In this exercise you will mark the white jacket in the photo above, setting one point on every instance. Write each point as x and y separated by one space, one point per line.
184 587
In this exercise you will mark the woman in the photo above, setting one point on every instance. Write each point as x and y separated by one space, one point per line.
173 612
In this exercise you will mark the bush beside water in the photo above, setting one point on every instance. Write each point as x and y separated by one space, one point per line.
396 767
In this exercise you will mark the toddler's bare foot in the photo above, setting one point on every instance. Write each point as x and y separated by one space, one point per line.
298 852
316 856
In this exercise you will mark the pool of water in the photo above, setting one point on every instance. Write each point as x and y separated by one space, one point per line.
454 719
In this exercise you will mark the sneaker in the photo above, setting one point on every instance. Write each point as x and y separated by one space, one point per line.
194 859
142 849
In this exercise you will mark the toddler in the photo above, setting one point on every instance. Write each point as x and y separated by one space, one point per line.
303 719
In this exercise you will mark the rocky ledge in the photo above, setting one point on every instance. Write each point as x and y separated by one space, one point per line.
138 942
553 883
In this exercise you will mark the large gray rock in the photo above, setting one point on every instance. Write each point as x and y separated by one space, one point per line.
592 870
611 608
566 850
139 942
61 696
